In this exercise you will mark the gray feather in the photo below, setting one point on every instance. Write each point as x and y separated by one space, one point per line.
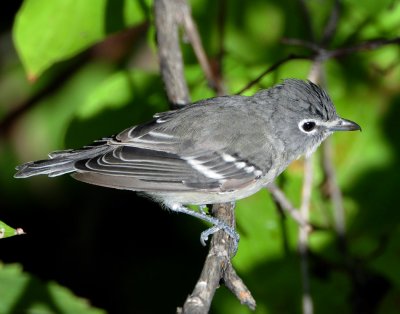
61 162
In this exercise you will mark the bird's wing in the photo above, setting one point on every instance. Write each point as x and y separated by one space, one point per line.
152 157
153 170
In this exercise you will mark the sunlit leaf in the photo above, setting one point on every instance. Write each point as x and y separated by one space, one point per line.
114 92
48 32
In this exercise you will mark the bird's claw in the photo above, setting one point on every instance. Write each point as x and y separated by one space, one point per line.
221 226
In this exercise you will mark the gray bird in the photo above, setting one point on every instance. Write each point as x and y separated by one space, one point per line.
217 150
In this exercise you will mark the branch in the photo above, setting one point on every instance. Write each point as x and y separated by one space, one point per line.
315 75
282 201
221 22
306 19
216 267
331 187
302 43
303 237
272 68
167 16
322 54
331 25
364 46
194 38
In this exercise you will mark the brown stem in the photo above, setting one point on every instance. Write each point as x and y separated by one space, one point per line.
331 25
303 237
194 38
216 267
333 191
283 202
273 68
167 17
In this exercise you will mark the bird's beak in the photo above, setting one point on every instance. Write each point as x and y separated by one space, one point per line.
344 125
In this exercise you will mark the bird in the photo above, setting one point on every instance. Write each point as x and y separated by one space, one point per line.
216 150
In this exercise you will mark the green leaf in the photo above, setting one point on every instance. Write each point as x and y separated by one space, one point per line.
114 92
24 293
6 231
46 32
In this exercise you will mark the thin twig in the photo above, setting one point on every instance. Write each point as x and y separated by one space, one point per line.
234 283
322 54
331 25
194 38
301 43
364 46
273 68
331 186
221 17
303 236
284 203
315 75
306 19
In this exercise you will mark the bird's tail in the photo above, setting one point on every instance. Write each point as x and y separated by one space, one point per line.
62 162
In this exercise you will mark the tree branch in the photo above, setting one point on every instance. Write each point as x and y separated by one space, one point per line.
315 75
216 267
322 54
272 68
330 186
306 19
331 25
167 18
282 201
194 38
303 236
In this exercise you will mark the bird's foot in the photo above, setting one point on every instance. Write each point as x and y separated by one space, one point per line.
217 224
221 226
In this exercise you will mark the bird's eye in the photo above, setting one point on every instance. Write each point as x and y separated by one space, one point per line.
308 126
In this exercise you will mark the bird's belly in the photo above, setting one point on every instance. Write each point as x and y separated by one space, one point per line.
201 198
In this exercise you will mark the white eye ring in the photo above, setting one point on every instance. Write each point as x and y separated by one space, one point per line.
308 126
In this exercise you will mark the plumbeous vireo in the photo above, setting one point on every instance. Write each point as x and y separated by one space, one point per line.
216 150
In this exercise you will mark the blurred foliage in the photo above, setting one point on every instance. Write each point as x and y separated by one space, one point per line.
23 293
75 71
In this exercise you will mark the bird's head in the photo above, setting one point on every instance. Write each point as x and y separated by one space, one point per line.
305 116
